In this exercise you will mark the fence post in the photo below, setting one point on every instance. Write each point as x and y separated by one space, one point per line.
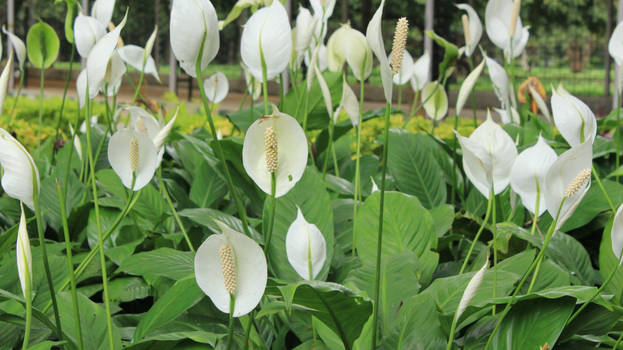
429 11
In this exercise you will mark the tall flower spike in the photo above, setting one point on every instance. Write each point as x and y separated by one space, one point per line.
400 41
229 268
272 152
134 157
576 184
514 17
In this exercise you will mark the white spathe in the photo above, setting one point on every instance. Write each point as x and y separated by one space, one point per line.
4 80
18 46
216 87
616 235
348 103
562 172
321 59
374 36
134 55
291 148
119 158
267 33
497 22
18 169
468 86
99 59
488 157
421 70
102 11
250 269
573 118
305 24
23 254
471 289
615 45
529 173
87 31
475 28
306 247
501 83
406 69
114 74
349 45
193 23
435 101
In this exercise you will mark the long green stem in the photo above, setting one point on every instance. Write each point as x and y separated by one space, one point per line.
137 90
17 96
357 164
480 229
330 151
41 83
379 238
617 132
455 320
65 88
535 217
70 267
230 332
473 93
616 345
599 290
495 250
264 81
603 190
178 220
273 206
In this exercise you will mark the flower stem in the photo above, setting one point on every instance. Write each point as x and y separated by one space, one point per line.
535 217
471 68
618 131
230 333
41 83
603 190
273 206
137 90
264 81
17 96
618 341
167 197
330 151
70 267
495 250
379 239
357 165
455 320
480 229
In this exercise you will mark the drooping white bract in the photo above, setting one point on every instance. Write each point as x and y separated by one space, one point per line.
291 148
435 101
134 55
616 235
467 86
475 28
18 169
216 87
193 24
615 45
406 70
321 59
102 11
421 72
306 247
324 89
349 45
250 270
87 31
268 34
529 172
573 118
24 256
501 84
375 40
4 80
18 46
348 103
540 103
561 174
114 75
471 289
488 156
305 24
121 148
497 22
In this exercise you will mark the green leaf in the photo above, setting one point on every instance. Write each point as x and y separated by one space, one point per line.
126 289
293 102
443 217
43 45
450 55
415 171
244 118
163 262
207 187
407 226
594 203
533 323
608 263
180 297
310 195
69 21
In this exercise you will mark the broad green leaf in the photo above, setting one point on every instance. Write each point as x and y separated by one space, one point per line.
244 118
415 170
533 323
208 217
43 45
126 289
206 187
443 217
594 203
608 263
164 262
450 55
180 297
435 101
293 103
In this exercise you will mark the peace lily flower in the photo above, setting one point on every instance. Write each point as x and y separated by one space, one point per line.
435 101
616 235
275 143
18 47
374 36
229 264
306 247
406 70
267 34
114 75
569 177
505 118
529 173
615 46
472 28
24 257
323 9
504 27
4 80
421 69
573 118
471 289
140 58
143 122
133 156
467 86
348 103
349 45
501 83
102 11
488 156
87 31
18 169
216 87
193 24
305 24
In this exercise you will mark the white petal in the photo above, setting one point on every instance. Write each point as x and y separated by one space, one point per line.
615 45
24 256
467 86
475 28
500 81
292 152
18 46
421 70
114 75
497 21
189 21
520 40
375 40
471 289
162 135
133 56
561 174
4 80
326 94
148 125
320 10
375 187
99 57
531 166
267 30
477 164
304 30
77 144
119 158
17 166
81 87
149 45
216 87
336 53
616 234
251 271
102 11
349 103
571 115
306 247
540 103
435 100
406 70
87 31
